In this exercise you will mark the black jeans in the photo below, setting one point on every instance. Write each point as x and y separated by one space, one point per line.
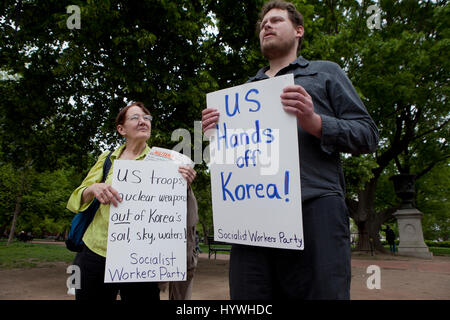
92 268
321 271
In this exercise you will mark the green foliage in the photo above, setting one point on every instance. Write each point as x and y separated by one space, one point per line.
432 200
202 191
14 185
385 194
440 244
75 81
440 251
44 200
429 243
401 74
357 172
436 250
400 70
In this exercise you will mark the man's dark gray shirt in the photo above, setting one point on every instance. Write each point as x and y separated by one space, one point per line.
346 125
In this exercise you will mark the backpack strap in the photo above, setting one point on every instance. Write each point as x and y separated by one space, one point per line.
106 166
83 219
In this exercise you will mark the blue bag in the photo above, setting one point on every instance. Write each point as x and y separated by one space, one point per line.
83 219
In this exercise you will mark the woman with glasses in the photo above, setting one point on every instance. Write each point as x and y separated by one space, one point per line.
134 124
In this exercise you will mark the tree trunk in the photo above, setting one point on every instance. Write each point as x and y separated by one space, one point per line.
14 221
375 225
17 209
363 243
362 211
363 215
367 220
369 238
205 232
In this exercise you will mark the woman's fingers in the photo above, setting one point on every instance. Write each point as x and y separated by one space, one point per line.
107 194
188 173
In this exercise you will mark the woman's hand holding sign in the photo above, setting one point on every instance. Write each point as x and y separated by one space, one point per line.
188 173
103 192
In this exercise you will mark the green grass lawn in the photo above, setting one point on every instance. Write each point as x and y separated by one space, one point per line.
19 254
437 251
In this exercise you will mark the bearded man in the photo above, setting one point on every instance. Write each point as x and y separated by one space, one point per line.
331 119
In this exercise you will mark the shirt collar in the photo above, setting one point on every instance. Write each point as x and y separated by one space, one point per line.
299 62
116 154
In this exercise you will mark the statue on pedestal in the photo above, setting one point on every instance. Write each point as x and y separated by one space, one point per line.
409 219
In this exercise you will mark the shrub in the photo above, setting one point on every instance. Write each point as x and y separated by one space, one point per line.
440 244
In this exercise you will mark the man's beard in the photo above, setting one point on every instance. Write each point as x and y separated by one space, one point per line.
276 49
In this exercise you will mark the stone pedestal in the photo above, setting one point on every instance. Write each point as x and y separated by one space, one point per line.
411 234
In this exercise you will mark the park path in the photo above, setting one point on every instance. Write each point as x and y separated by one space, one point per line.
437 264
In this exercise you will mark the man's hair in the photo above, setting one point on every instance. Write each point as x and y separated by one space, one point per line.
293 14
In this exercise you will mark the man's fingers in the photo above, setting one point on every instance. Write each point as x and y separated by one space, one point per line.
208 111
293 103
296 112
296 97
210 117
210 122
293 96
296 88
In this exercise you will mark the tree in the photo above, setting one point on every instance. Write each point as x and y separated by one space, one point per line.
402 72
15 185
63 87
71 83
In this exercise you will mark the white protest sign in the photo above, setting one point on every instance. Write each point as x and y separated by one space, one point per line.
255 172
147 230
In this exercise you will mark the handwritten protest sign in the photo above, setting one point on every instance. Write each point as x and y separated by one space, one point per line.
147 230
255 173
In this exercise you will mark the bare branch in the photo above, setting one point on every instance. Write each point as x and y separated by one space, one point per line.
431 166
431 130
387 213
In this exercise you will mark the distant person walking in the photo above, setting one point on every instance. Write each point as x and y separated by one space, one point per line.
390 238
